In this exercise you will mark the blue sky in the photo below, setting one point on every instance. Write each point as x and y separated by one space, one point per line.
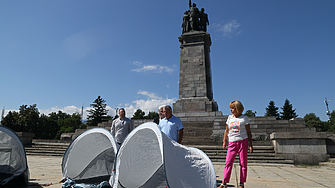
63 54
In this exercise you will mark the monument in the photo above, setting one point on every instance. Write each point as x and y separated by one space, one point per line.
205 125
195 79
196 107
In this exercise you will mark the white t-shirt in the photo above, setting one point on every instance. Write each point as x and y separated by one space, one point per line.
236 127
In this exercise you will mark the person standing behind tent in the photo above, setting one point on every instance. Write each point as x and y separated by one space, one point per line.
171 125
121 127
160 113
238 132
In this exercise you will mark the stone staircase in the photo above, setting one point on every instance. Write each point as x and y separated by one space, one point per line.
46 148
263 153
198 135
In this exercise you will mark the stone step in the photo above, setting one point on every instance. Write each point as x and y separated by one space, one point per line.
255 153
330 163
217 161
282 129
53 145
199 142
250 157
194 135
261 154
43 141
30 149
46 149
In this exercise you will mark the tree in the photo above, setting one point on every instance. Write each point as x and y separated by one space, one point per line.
43 126
288 112
98 113
28 118
272 110
55 122
332 122
312 120
11 120
71 123
250 113
152 115
139 114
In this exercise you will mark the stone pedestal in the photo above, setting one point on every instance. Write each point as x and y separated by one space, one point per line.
195 79
308 148
26 137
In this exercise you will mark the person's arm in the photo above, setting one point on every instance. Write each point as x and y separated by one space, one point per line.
225 137
181 134
251 148
113 128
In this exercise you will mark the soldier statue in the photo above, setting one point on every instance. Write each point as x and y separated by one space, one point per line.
194 14
194 20
186 22
203 20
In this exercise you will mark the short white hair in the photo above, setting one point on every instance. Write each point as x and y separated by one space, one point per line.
161 106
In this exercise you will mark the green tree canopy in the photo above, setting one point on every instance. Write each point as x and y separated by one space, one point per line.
332 121
312 120
152 115
272 110
11 120
287 111
28 118
250 113
139 114
98 113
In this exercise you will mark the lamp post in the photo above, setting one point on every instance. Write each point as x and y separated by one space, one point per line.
327 112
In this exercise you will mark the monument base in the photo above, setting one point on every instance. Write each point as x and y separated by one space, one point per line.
195 104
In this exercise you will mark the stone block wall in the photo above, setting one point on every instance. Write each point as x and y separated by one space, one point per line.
26 137
308 148
330 141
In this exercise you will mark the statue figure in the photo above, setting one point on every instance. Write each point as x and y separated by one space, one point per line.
186 22
203 20
194 15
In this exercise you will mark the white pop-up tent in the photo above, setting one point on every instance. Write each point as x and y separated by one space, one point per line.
13 161
148 158
90 157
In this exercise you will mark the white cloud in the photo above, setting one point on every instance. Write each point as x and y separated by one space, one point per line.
227 29
146 93
154 68
149 105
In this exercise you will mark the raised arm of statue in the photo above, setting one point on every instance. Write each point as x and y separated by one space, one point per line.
189 4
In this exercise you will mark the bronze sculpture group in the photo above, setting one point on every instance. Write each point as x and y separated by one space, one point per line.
194 20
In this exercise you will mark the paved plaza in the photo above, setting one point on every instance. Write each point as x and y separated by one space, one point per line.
46 172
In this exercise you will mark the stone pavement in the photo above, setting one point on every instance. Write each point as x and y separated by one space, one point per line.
47 172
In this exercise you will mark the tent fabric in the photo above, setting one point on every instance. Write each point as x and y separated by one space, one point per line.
13 161
148 158
90 157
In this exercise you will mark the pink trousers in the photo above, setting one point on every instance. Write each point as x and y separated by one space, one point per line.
240 147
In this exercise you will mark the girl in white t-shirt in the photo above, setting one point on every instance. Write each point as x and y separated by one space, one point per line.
238 132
